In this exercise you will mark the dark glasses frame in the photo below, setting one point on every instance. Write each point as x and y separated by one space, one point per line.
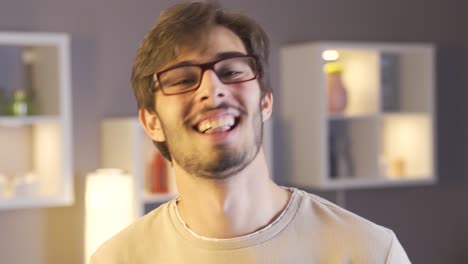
204 67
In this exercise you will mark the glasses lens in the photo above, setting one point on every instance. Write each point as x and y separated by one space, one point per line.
237 69
180 79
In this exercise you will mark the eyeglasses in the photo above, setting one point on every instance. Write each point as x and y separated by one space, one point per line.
187 78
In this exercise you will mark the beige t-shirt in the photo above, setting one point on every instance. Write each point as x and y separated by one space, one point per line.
310 230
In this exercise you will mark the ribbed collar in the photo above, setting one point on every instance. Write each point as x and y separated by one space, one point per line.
249 240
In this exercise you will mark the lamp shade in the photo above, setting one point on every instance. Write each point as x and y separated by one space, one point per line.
109 206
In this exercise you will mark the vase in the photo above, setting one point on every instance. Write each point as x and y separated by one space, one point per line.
336 90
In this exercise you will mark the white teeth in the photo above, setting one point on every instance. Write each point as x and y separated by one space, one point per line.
215 123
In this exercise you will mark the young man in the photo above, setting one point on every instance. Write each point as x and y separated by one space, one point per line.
200 78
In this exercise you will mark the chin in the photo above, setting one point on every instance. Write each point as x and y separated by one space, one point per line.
227 165
222 168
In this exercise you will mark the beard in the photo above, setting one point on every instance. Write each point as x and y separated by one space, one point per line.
224 160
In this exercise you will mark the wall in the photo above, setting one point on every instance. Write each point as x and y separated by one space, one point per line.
465 206
55 235
428 220
105 35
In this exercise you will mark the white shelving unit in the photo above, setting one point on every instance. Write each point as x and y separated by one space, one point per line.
384 137
125 145
36 150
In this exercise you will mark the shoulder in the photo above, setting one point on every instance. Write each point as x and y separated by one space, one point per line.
343 230
121 247
326 213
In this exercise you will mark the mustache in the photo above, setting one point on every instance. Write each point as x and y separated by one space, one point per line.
223 106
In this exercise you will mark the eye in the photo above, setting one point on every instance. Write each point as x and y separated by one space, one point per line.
183 82
180 78
231 75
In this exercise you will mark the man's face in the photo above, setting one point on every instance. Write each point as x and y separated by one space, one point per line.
235 113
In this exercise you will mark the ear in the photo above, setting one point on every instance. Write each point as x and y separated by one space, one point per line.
267 106
152 125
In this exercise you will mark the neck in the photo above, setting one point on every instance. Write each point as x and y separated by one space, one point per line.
232 207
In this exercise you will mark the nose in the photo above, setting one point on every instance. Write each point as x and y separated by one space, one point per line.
211 88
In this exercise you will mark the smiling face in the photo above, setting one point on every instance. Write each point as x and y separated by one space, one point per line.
216 130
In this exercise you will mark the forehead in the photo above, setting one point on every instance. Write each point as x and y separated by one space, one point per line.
207 46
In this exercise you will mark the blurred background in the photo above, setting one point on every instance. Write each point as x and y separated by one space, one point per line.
430 221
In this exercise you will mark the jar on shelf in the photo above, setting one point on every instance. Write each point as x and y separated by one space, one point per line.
398 167
337 94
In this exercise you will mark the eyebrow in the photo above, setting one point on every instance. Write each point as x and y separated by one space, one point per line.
219 56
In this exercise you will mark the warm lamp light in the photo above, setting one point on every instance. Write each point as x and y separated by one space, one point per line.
330 55
109 206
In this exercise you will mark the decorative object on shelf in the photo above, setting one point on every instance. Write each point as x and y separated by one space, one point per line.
390 81
340 146
158 174
398 167
18 65
20 104
26 186
7 186
108 206
337 94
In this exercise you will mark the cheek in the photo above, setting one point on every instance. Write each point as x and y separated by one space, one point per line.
173 109
254 103
248 95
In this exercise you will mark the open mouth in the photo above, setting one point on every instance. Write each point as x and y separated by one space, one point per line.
218 124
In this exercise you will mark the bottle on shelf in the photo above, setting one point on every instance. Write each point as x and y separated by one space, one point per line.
20 104
158 174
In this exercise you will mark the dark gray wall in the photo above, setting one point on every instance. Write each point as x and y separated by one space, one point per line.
428 220
465 142
105 34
